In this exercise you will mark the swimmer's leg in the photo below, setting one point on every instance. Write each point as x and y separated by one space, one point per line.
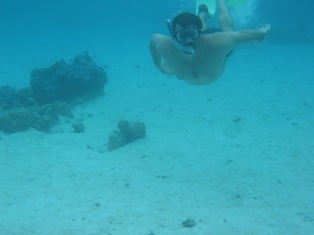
225 19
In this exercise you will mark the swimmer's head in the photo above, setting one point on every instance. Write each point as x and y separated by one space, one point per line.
186 30
184 20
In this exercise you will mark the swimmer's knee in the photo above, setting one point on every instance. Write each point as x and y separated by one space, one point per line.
226 22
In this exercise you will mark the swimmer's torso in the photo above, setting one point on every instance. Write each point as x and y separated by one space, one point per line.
203 67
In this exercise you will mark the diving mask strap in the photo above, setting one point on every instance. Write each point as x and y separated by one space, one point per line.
178 45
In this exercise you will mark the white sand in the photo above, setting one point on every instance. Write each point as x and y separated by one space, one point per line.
236 156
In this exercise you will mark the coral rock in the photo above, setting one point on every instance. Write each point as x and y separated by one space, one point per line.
66 82
128 132
16 120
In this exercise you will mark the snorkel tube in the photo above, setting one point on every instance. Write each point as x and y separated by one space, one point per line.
181 47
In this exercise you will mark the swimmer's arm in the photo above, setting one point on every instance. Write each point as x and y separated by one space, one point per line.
157 58
251 35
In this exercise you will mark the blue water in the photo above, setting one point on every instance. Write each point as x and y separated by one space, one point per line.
236 156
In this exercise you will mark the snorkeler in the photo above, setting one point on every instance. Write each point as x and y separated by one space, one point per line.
197 54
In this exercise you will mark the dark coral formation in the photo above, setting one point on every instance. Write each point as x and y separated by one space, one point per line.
19 111
78 127
53 90
18 119
12 98
67 81
128 132
188 223
41 118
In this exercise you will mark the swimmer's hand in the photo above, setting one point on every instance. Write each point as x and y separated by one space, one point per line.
163 68
265 29
263 32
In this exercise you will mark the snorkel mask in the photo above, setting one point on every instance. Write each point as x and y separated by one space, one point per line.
182 35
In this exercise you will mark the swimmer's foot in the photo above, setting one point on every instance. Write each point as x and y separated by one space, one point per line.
203 14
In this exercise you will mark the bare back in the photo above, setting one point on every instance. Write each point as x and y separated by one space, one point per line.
208 62
203 67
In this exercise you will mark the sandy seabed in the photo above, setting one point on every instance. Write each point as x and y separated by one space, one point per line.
236 156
